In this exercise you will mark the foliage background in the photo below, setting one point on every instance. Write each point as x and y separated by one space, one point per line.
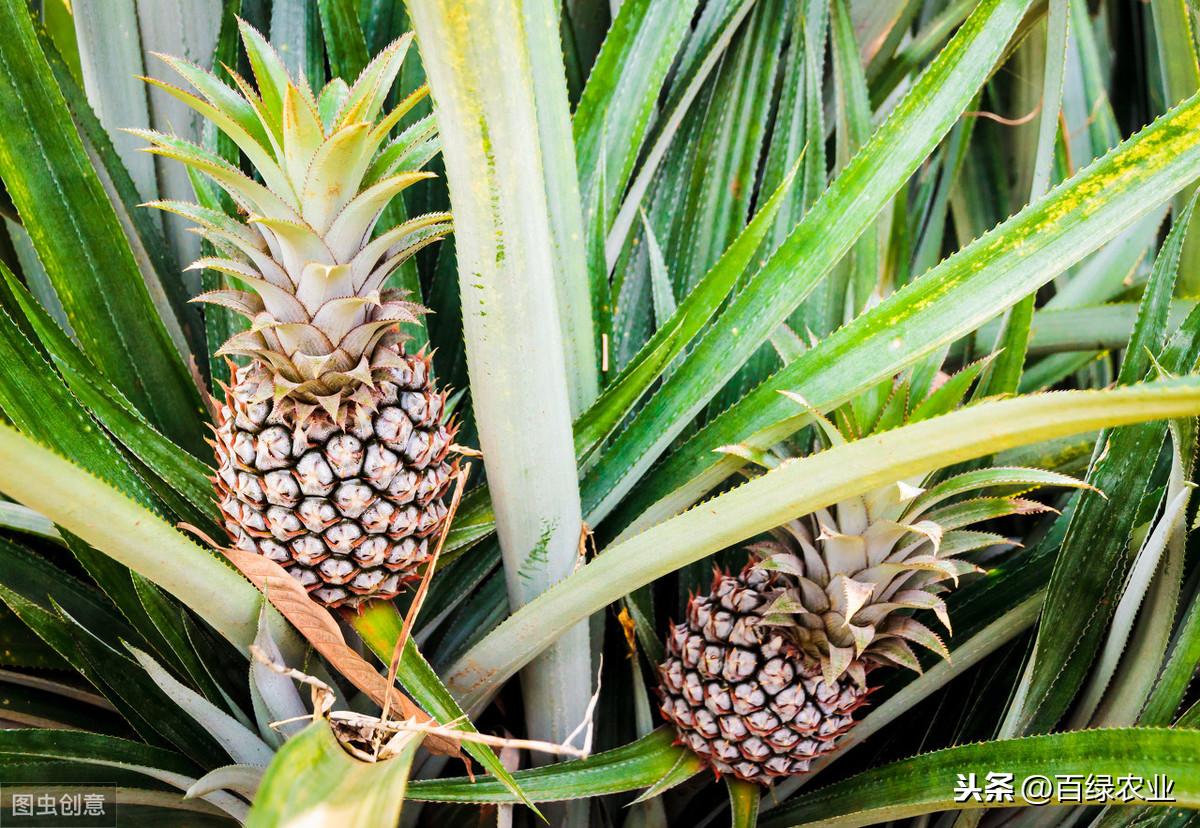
702 204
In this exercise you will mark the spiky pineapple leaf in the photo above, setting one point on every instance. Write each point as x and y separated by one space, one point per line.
35 399
183 480
818 242
30 580
702 54
502 109
344 39
799 488
53 184
242 744
111 54
969 287
743 802
147 241
639 764
926 784
614 113
152 712
313 781
1086 328
1094 555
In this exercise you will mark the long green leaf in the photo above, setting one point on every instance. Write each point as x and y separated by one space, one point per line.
187 30
1093 555
1012 346
951 300
743 802
799 488
344 38
111 753
50 178
640 764
143 228
1174 36
1087 328
623 86
498 123
184 480
827 231
110 53
926 784
704 51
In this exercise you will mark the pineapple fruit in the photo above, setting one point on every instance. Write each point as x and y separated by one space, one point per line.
766 671
332 444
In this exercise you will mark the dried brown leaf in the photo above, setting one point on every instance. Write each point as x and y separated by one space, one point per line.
321 630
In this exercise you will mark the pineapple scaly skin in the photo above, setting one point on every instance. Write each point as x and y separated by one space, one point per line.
741 695
332 444
349 511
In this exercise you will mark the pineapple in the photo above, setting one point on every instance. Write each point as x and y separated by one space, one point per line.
332 444
766 670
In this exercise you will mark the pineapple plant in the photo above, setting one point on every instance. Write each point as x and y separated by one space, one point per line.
672 222
332 443
767 669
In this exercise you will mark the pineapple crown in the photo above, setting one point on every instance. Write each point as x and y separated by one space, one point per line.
304 245
846 580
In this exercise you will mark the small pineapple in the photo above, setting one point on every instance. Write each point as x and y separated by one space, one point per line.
766 671
331 444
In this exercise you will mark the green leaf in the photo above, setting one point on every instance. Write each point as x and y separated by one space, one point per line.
379 625
134 536
951 300
499 123
32 582
344 38
273 696
143 228
110 53
1094 551
673 335
295 33
34 398
819 241
1177 673
241 744
639 764
1180 78
109 752
185 480
90 747
314 781
614 113
853 130
53 185
150 711
1086 328
743 802
188 31
703 53
799 488
17 517
926 784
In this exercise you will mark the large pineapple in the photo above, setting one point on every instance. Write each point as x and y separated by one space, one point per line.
766 670
331 443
